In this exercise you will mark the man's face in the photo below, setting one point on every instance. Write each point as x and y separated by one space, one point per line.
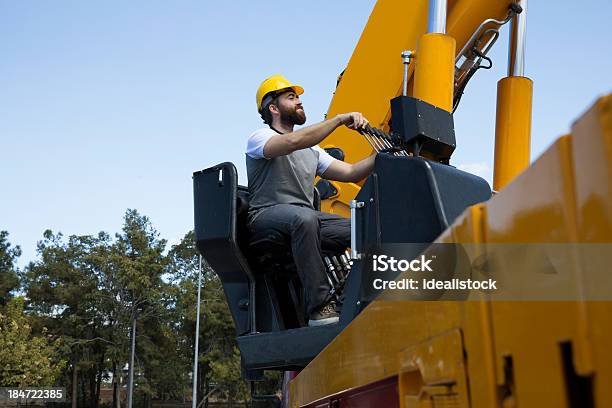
291 109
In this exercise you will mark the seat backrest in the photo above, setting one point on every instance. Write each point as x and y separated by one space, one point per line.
242 211
222 237
215 192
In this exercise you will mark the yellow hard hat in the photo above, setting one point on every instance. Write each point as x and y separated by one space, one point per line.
273 84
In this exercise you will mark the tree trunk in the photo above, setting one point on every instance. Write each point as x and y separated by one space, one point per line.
115 388
84 394
92 387
207 390
146 397
205 383
119 387
75 379
131 368
98 385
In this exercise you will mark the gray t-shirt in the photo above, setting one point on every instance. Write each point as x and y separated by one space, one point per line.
285 179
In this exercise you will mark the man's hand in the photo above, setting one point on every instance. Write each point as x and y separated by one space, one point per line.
353 120
280 145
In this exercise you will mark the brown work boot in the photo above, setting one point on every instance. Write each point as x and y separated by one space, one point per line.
324 315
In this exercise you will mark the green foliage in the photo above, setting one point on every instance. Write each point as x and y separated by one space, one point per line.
219 358
138 259
63 292
86 290
8 273
26 360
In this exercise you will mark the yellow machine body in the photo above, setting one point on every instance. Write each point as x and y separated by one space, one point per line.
482 352
462 352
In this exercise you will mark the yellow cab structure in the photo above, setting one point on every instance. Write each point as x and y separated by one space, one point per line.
481 352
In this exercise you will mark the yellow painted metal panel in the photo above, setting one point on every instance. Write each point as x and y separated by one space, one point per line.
537 205
468 228
434 371
367 350
512 129
592 151
565 196
592 155
530 333
479 349
477 329
599 332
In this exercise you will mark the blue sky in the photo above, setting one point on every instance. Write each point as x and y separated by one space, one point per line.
112 105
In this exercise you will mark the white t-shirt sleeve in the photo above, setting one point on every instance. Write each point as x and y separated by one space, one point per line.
257 141
325 159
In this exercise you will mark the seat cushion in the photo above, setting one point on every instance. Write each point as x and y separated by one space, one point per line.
269 241
258 242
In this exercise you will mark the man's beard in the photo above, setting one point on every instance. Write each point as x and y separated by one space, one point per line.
290 117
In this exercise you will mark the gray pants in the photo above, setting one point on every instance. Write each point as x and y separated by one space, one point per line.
310 232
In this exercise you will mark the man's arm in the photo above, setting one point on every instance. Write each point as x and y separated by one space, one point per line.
280 145
341 171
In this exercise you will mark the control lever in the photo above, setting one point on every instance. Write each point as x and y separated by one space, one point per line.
346 262
331 270
339 269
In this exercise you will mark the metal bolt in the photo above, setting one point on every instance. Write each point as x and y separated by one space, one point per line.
406 56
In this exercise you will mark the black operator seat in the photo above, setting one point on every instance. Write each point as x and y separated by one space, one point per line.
279 299
269 254
258 276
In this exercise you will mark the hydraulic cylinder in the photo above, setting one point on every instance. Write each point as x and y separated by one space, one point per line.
513 118
435 70
512 129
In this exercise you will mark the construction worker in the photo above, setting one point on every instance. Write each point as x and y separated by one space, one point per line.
281 165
